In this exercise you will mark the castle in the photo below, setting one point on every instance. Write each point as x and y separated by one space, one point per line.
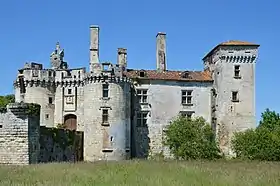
123 112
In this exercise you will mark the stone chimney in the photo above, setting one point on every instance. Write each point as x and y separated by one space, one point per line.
94 47
122 58
161 52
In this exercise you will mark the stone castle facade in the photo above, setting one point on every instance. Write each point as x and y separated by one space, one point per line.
123 112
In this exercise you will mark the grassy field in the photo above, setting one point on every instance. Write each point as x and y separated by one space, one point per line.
143 173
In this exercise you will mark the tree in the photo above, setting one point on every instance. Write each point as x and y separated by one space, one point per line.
191 139
262 143
270 120
5 100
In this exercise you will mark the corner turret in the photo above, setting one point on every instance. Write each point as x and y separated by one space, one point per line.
57 58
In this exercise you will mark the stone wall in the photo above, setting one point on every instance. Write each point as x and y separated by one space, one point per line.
164 104
19 135
58 145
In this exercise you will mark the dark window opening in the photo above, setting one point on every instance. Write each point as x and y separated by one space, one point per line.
105 116
187 114
105 88
235 96
142 74
237 71
50 100
21 85
142 119
69 91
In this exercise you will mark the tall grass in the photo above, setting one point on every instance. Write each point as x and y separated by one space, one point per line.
169 173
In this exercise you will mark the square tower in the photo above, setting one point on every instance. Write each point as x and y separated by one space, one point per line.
232 65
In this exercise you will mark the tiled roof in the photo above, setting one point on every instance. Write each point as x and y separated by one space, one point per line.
200 76
236 42
232 43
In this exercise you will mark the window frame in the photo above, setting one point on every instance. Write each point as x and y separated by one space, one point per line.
142 95
187 97
187 114
237 72
105 114
143 118
105 88
235 94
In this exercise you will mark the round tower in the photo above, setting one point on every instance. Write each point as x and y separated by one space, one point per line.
107 118
36 85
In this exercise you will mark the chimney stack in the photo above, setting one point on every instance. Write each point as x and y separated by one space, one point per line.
122 58
94 46
161 51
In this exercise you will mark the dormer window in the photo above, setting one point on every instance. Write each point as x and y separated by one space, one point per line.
185 74
142 73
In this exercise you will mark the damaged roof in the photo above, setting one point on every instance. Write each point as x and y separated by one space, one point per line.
199 76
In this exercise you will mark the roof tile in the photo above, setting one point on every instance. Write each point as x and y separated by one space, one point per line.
201 76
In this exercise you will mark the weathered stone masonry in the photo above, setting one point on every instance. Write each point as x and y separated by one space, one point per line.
23 141
19 136
123 112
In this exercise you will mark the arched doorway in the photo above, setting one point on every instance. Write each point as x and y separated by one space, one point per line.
70 122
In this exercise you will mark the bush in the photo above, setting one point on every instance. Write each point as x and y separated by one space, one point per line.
191 139
4 101
262 143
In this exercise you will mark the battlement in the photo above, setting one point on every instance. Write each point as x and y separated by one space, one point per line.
106 78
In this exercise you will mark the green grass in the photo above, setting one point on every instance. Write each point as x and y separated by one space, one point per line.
144 173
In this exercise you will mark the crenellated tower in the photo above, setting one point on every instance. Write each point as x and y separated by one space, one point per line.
232 65
106 107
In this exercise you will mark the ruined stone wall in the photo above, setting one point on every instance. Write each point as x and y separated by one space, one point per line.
19 136
57 145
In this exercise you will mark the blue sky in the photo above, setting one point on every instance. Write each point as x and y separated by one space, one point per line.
30 29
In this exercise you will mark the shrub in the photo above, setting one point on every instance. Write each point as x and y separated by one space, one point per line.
262 143
4 101
191 139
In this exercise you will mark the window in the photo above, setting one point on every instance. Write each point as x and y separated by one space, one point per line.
187 97
105 67
105 116
105 88
187 114
237 71
142 74
50 100
234 96
185 74
47 116
142 95
142 119
69 91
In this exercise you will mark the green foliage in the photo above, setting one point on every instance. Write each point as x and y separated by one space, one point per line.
64 138
262 143
4 101
33 109
191 139
270 120
61 126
